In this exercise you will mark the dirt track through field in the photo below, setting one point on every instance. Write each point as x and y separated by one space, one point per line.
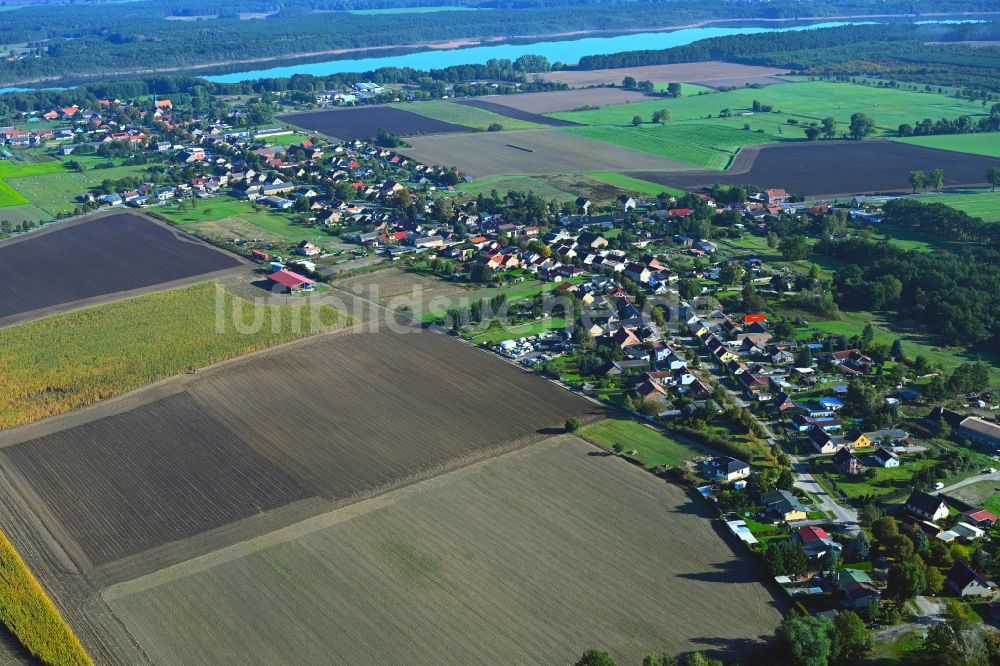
530 557
834 168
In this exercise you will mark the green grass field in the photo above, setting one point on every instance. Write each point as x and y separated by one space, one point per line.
985 205
460 114
653 447
504 184
987 143
698 136
806 101
287 139
701 145
497 333
64 362
9 169
983 495
630 184
225 207
55 190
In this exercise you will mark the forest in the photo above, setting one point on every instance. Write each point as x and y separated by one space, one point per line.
125 37
956 292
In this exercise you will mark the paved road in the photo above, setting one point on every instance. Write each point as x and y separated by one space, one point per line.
804 480
995 476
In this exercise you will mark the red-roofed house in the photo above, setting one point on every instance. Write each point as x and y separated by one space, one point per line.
815 541
754 318
289 281
979 517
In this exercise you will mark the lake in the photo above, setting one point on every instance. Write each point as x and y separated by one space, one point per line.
567 51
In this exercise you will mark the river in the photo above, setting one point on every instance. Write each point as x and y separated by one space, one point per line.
567 51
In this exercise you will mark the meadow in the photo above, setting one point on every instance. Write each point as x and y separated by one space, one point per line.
461 114
697 135
223 207
652 447
55 189
505 184
987 143
983 495
64 362
529 558
11 196
629 184
985 205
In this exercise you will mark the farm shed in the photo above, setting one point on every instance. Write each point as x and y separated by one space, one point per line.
289 281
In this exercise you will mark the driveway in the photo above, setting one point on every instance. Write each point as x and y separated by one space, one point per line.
995 476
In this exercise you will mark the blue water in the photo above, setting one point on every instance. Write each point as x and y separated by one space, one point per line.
569 51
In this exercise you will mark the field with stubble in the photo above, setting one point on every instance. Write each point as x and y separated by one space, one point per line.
531 557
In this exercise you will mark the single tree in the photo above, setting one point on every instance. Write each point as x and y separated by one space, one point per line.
806 640
829 126
918 180
861 126
993 177
636 121
936 178
595 658
905 581
674 89
850 640
572 424
628 82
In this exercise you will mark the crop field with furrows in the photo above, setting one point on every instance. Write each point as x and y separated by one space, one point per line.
365 122
165 471
702 72
528 558
530 152
565 100
390 408
468 115
848 167
64 362
297 430
99 256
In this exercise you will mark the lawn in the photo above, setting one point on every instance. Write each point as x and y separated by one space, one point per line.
505 184
987 143
55 190
11 196
887 480
630 184
654 448
438 307
460 114
64 362
224 207
985 205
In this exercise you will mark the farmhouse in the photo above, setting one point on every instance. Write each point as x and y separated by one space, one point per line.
846 462
980 432
926 506
289 282
967 583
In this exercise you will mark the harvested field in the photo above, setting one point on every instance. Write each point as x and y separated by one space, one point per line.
741 82
336 418
529 558
77 262
512 113
531 152
365 122
564 100
160 473
702 73
835 168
